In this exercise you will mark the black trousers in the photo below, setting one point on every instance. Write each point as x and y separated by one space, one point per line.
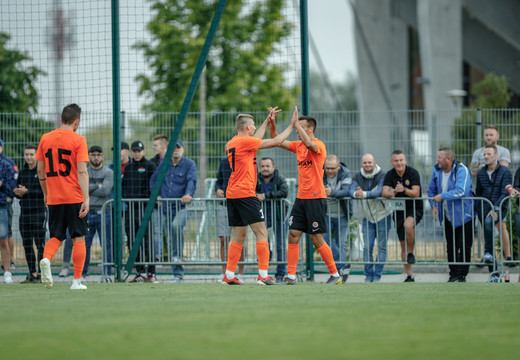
133 218
458 245
32 229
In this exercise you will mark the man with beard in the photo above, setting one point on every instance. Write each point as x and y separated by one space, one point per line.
136 185
101 182
492 180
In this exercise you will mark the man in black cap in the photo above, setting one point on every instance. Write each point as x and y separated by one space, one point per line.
101 182
136 185
125 157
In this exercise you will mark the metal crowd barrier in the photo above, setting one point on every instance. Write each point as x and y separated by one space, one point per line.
195 241
189 235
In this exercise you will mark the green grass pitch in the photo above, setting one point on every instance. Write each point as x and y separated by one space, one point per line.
306 321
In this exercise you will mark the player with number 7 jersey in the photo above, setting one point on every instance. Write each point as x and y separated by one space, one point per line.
243 207
62 171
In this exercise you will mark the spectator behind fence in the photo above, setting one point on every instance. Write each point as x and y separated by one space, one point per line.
10 196
136 185
337 180
492 180
125 158
451 181
179 182
367 185
32 213
243 206
160 146
515 192
310 207
101 182
223 228
62 171
491 137
403 181
7 184
271 187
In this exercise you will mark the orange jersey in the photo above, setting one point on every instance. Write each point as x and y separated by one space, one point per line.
241 153
61 150
310 169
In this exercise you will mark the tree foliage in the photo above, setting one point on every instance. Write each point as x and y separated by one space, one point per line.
490 95
17 91
18 99
240 72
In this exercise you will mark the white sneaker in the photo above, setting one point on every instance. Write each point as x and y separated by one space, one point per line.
77 285
64 272
45 267
220 278
241 278
8 277
83 279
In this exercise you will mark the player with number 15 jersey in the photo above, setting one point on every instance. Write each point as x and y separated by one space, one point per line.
62 171
61 150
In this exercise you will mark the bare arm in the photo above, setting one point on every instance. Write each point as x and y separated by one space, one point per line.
280 138
414 192
388 192
260 132
304 137
42 176
504 163
284 144
83 184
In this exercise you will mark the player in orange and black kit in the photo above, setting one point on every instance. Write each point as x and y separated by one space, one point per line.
310 207
242 204
62 170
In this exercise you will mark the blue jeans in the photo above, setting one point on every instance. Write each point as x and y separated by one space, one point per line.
279 230
340 244
94 225
370 232
177 241
159 224
67 249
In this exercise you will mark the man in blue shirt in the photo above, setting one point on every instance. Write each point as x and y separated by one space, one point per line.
180 182
450 182
7 184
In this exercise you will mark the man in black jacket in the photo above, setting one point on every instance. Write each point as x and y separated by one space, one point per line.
271 187
136 185
32 213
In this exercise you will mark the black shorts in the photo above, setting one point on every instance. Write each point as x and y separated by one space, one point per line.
65 216
399 223
244 211
308 215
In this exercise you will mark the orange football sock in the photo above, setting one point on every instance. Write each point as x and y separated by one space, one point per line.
326 255
51 247
262 251
234 253
293 253
79 253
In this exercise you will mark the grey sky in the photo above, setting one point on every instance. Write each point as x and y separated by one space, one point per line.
89 62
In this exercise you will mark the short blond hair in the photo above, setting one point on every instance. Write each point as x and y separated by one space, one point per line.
242 120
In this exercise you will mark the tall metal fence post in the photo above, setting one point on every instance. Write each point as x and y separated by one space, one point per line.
305 107
117 233
161 171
